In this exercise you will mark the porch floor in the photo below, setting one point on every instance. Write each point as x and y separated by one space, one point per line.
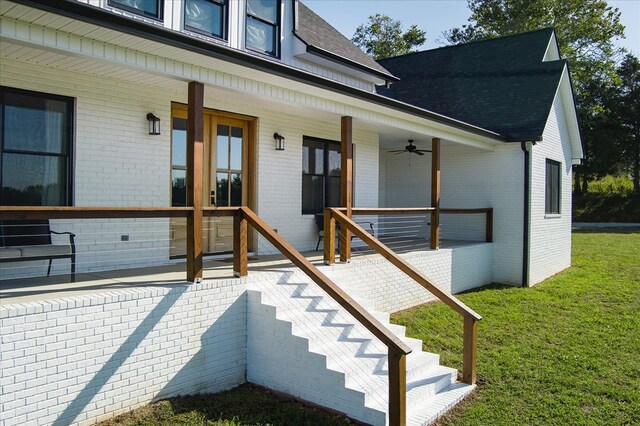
44 288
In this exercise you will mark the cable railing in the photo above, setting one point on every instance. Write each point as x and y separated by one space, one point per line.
334 216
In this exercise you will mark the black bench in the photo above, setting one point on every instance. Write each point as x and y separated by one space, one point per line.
28 240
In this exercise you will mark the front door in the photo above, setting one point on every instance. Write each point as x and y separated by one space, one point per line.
226 142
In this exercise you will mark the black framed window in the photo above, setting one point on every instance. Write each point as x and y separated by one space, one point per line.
207 17
552 188
263 26
321 171
36 135
149 8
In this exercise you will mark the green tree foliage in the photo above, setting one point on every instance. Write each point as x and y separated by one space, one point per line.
383 37
626 108
586 31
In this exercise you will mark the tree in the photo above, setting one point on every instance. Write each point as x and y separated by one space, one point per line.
382 37
627 109
586 30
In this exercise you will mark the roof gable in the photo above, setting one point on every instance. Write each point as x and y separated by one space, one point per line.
499 84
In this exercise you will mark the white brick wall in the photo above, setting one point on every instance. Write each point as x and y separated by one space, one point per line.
79 359
469 179
551 234
377 281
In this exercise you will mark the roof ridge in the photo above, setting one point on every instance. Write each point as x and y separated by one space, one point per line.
450 46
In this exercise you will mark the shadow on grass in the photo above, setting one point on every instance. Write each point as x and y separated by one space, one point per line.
492 286
247 404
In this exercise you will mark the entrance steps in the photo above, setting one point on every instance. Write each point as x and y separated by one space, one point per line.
301 342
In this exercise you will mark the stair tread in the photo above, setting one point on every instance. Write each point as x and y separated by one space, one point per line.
435 407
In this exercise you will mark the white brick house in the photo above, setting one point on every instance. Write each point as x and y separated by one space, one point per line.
100 66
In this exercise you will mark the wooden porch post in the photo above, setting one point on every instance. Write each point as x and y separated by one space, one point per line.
435 193
240 251
346 183
194 179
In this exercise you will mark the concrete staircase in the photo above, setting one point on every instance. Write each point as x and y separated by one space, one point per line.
303 343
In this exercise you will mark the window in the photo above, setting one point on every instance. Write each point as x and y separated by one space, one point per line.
552 188
263 26
320 175
148 8
207 17
36 131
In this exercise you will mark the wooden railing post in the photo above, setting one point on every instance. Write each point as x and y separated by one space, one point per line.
397 364
195 160
435 193
346 182
329 238
240 252
469 347
489 226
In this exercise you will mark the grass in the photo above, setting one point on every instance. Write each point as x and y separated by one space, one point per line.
606 207
566 352
244 405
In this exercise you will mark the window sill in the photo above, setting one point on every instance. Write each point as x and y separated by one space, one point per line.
552 215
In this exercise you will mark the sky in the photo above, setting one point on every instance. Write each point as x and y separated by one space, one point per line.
436 16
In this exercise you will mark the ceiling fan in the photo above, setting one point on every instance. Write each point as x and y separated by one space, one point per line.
411 148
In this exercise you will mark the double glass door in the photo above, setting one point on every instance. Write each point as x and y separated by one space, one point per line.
225 183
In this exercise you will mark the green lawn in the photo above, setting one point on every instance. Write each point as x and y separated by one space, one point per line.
566 352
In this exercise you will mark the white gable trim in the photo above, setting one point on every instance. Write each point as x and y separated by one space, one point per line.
566 95
552 53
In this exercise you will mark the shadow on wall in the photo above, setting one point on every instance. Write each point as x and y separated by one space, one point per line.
120 356
216 366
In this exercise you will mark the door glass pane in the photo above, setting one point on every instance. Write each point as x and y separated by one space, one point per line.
312 194
179 188
33 180
179 143
222 148
265 9
204 16
260 36
236 148
35 124
222 189
318 159
236 189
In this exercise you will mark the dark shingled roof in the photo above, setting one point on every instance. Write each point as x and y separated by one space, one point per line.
500 84
317 33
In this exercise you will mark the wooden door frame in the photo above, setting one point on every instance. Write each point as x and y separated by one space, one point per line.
250 161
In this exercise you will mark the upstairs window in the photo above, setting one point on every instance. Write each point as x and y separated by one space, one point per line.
263 26
148 8
321 171
552 188
36 131
206 17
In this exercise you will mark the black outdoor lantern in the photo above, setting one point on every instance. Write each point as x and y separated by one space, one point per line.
154 124
279 141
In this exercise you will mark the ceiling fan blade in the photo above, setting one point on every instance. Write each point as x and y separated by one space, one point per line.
423 150
397 150
418 152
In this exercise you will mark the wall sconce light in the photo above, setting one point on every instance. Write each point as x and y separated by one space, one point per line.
154 124
279 142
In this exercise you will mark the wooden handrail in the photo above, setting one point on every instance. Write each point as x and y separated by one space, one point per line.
55 212
470 316
397 349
